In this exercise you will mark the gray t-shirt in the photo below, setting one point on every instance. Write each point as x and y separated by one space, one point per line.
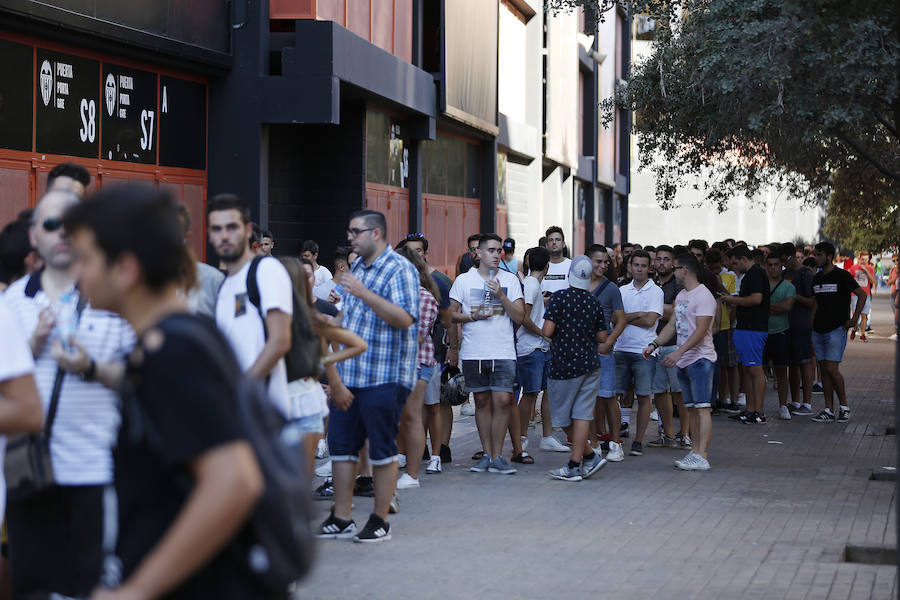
610 298
202 298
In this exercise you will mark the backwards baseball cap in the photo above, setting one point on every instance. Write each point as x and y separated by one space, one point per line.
580 272
509 243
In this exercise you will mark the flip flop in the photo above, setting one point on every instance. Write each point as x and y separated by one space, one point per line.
523 458
478 455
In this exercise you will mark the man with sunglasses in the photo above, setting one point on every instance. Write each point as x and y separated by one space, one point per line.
55 535
381 305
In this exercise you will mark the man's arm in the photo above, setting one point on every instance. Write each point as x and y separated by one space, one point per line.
642 319
227 484
515 309
528 324
860 304
661 338
20 405
703 323
390 313
619 324
79 362
278 326
782 306
754 299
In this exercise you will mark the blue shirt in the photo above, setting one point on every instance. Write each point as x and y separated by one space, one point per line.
391 356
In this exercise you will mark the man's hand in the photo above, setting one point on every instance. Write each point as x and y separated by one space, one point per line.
648 351
46 321
341 396
850 324
672 359
353 285
604 348
453 356
333 297
493 286
122 593
76 360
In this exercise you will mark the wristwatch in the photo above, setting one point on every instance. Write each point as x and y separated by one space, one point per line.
91 371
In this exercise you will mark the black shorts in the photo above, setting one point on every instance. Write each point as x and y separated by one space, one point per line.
777 349
800 342
55 541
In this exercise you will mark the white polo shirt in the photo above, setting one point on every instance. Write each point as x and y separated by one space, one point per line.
87 417
648 298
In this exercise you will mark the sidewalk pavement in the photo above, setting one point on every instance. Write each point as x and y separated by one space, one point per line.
770 520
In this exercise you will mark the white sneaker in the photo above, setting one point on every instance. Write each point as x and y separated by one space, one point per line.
401 460
893 337
322 449
694 462
524 440
434 465
551 444
742 400
615 453
654 415
467 409
406 482
783 413
324 470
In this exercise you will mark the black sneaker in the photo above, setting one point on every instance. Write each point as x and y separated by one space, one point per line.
755 418
376 530
636 449
817 389
364 486
732 408
334 528
623 429
446 457
741 416
324 491
824 417
843 416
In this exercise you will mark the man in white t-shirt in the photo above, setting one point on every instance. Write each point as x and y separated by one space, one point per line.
260 345
310 251
558 270
488 302
643 303
695 357
55 535
17 388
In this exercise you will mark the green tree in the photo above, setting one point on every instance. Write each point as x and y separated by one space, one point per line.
863 210
744 94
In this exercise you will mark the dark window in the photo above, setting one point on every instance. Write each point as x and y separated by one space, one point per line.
452 167
386 149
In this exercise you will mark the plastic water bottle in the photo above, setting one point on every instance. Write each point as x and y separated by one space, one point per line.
67 319
487 299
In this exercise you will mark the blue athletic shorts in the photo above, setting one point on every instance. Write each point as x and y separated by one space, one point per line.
750 346
373 415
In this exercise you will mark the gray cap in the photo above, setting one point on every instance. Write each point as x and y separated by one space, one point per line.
580 272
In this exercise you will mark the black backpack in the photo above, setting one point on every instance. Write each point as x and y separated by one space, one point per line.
276 546
302 360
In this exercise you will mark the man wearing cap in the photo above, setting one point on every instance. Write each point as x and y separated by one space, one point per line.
508 262
574 322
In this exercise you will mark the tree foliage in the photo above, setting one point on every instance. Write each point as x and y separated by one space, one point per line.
863 210
763 92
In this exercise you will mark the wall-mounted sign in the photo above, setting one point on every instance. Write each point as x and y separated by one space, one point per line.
67 104
129 114
182 123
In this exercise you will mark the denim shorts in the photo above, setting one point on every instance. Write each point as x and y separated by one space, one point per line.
607 376
830 346
665 379
631 367
373 415
489 375
426 371
750 345
533 371
800 345
696 383
309 424
573 398
778 349
867 307
433 389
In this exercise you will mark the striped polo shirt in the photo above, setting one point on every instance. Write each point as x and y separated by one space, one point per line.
87 417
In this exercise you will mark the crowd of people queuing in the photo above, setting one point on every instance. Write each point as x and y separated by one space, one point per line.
121 356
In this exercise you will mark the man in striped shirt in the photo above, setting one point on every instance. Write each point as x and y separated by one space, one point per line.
55 536
382 307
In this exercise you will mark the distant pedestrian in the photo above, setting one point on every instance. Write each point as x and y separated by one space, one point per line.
310 251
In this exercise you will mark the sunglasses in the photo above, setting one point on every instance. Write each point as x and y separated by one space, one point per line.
52 224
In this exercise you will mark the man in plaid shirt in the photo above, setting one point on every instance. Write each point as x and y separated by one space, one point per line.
382 307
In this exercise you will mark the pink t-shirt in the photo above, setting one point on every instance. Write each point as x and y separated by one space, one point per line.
689 305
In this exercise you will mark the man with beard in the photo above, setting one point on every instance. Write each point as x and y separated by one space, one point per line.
260 335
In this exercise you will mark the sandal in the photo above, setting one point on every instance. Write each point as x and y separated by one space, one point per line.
523 458
478 455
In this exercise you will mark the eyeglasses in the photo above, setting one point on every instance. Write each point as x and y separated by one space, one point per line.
52 224
355 231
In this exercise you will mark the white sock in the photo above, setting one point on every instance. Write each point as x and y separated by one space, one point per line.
807 405
847 408
828 410
626 415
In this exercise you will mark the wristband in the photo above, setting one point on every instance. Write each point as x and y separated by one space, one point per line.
654 344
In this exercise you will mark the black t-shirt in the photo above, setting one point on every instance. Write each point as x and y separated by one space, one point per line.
578 317
184 402
326 308
754 318
802 279
832 292
670 290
